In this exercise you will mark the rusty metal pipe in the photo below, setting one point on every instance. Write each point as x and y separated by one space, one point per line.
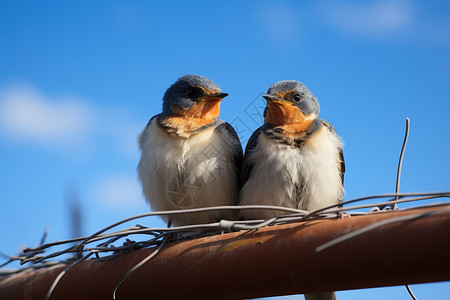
277 260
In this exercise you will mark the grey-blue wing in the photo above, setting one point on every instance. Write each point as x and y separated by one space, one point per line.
341 153
247 166
152 118
227 132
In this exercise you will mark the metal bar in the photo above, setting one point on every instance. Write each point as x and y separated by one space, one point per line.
276 260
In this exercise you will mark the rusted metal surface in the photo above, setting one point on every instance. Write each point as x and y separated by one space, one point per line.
276 260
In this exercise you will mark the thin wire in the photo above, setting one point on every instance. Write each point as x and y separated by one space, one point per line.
175 212
389 202
105 247
153 254
408 288
10 260
138 266
397 183
399 166
376 225
44 236
98 235
4 255
388 195
60 275
400 161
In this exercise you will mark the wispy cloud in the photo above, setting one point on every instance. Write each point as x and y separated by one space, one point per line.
392 20
65 123
71 125
26 114
119 192
372 18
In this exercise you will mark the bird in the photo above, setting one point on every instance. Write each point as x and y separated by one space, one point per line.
295 159
190 158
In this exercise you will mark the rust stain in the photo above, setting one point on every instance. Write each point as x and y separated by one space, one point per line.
241 243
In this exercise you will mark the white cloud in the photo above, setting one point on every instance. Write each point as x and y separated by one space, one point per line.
373 18
391 20
68 124
119 192
26 114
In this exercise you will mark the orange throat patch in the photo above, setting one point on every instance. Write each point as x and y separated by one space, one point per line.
186 122
289 118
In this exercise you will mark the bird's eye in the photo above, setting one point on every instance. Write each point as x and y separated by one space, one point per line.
297 98
193 93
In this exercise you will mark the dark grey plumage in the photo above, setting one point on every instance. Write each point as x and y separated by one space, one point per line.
307 102
183 93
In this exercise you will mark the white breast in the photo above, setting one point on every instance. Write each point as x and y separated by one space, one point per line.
181 173
280 168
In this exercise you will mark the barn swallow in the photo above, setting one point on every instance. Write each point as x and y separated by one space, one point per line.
294 160
189 157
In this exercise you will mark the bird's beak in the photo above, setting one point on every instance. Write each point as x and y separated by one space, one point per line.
270 98
221 95
216 96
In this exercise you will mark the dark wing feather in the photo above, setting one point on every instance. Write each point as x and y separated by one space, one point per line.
341 153
141 136
247 166
227 132
341 156
152 118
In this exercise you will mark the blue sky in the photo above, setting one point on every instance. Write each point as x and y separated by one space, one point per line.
80 79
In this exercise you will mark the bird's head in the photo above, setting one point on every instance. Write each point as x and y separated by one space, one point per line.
193 96
289 102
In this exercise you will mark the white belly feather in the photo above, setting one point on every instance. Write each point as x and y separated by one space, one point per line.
279 168
182 173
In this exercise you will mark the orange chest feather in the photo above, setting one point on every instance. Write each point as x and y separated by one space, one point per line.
208 110
289 118
187 121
